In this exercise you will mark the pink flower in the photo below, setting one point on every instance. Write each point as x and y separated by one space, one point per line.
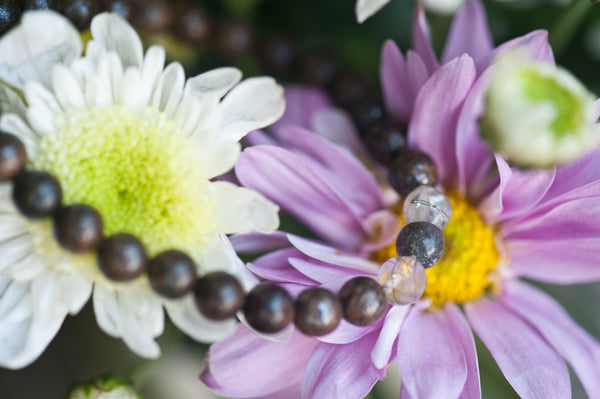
507 225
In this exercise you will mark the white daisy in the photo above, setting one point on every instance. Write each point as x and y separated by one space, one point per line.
142 145
364 9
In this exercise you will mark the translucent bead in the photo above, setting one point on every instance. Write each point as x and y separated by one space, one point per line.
403 280
426 204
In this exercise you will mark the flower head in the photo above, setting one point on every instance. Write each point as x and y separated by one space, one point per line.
143 146
108 387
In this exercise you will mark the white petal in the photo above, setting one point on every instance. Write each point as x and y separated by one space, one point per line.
98 92
241 210
131 91
115 34
366 8
42 39
217 158
67 89
13 124
216 82
106 310
253 104
169 89
11 102
154 63
188 113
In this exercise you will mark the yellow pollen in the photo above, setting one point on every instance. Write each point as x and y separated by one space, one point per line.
470 255
138 171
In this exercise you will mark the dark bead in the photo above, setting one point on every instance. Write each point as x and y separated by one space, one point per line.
78 228
153 16
172 273
318 311
235 39
318 69
122 257
385 140
10 13
193 25
363 300
350 89
423 240
12 156
410 170
366 113
35 5
36 194
80 12
122 7
269 308
219 295
278 54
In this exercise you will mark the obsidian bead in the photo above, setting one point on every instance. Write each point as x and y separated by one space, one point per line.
219 295
269 308
278 54
363 301
172 273
122 7
385 140
318 311
153 16
12 156
80 12
10 12
235 39
78 228
193 24
423 240
36 194
122 257
34 4
319 69
411 169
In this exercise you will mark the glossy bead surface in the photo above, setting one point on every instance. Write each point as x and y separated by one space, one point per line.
410 170
12 156
403 279
10 12
318 311
423 240
385 140
193 24
36 194
78 228
363 301
235 39
219 295
80 12
122 257
426 204
269 308
172 273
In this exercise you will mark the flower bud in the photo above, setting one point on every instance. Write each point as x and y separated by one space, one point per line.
108 387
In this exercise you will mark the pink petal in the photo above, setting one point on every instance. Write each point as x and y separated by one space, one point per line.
253 243
535 46
346 333
320 271
394 82
530 365
258 137
337 126
301 105
577 174
597 114
384 346
275 266
420 39
578 347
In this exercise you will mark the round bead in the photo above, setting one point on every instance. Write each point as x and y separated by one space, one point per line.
122 257
219 295
269 308
172 273
423 240
10 12
366 113
403 279
318 311
385 140
80 12
235 39
152 16
426 204
35 4
193 24
36 194
78 228
411 169
363 301
12 156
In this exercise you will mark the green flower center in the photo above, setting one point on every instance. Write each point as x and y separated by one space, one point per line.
138 171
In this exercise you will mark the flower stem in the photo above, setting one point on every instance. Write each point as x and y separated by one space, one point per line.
562 32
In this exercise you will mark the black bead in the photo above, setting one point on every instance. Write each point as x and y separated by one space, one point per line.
385 141
235 39
278 54
122 7
219 295
363 301
411 169
80 12
423 240
10 13
153 16
78 228
366 113
269 308
36 194
35 4
318 311
319 69
193 24
12 156
172 273
122 257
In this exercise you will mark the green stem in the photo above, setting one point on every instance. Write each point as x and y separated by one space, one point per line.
562 32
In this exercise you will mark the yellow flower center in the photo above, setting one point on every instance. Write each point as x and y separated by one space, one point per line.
470 255
138 171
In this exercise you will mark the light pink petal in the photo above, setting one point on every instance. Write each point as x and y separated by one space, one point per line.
320 271
337 126
301 105
253 243
579 173
246 365
384 346
469 34
341 371
416 76
431 356
420 39
530 365
532 46
394 82
258 137
432 127
275 266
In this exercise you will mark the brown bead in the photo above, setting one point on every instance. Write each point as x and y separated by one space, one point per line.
36 194
219 295
80 12
411 169
385 141
318 69
35 5
278 54
10 13
122 257
269 308
318 311
78 228
153 16
193 24
172 273
235 39
12 156
122 7
363 300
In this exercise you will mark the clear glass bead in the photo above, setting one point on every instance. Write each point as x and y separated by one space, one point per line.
403 279
426 204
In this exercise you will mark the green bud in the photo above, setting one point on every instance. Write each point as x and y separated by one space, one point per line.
109 387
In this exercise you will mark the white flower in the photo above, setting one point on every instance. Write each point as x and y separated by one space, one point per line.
141 144
364 9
